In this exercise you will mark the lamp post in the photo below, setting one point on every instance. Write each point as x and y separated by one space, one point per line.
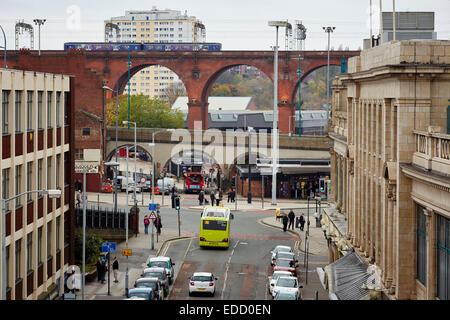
117 134
328 30
52 193
126 231
299 71
249 192
4 47
135 151
275 24
39 22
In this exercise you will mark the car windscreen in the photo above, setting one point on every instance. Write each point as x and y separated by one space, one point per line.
285 296
139 294
286 255
201 278
289 283
153 274
146 284
284 263
275 276
282 249
161 264
215 225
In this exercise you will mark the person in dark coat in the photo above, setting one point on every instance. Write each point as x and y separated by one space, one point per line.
115 266
285 222
158 224
213 198
201 197
99 269
219 197
291 217
233 195
104 268
302 221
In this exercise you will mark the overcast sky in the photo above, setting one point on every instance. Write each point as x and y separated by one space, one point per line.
237 24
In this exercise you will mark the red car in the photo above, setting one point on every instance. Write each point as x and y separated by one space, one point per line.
283 264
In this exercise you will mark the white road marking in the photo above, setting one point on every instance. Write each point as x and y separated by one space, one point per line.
226 271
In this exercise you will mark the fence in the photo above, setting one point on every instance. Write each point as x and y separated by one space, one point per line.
104 218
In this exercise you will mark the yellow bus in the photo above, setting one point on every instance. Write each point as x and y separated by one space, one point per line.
215 227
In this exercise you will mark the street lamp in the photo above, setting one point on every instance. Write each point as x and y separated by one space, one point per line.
39 22
135 152
275 24
51 193
117 134
249 192
4 47
328 30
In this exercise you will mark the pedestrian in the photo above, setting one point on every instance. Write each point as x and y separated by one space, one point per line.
78 199
213 198
291 217
103 270
229 196
285 222
292 192
115 266
233 195
201 197
219 197
302 221
99 269
146 223
158 225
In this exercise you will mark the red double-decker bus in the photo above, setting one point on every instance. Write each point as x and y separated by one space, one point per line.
195 182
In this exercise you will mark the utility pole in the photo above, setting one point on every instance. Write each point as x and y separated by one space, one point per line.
328 30
39 23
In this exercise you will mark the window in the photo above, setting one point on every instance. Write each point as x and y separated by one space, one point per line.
58 223
5 111
40 95
29 110
18 113
421 245
49 109
49 170
66 101
49 239
39 256
5 185
443 257
30 251
39 183
18 180
79 154
86 131
7 266
18 261
58 107
29 179
58 166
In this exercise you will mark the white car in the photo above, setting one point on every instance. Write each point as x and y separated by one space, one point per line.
278 249
202 282
273 279
131 186
285 284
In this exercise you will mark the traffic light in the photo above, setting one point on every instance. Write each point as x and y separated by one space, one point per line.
177 203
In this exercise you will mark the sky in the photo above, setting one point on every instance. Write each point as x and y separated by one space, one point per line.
237 24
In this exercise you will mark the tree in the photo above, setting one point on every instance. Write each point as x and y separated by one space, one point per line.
93 248
146 112
173 91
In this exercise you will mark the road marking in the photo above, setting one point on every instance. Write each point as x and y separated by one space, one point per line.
226 271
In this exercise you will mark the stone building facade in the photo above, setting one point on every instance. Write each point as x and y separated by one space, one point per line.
390 165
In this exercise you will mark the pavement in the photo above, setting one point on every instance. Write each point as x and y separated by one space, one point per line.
143 247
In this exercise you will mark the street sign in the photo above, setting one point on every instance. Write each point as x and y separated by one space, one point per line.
108 247
143 180
152 206
127 252
152 215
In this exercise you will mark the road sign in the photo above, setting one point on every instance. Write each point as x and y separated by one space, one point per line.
143 180
152 215
152 206
127 252
108 247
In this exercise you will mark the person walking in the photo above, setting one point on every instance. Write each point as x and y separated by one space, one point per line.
291 217
103 271
213 198
302 221
98 265
201 197
219 197
233 195
158 224
115 266
146 223
229 196
285 222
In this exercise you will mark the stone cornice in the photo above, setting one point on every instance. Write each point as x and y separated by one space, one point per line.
432 179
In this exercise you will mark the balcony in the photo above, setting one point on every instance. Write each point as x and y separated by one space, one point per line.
432 150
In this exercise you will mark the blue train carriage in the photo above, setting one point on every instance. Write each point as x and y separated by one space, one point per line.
154 47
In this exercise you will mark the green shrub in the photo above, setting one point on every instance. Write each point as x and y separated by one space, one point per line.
93 248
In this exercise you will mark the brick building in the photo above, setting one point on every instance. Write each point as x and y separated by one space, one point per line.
36 154
390 167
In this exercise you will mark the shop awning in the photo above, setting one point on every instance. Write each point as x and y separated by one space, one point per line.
346 277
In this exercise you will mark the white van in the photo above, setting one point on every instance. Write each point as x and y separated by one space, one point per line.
122 182
169 183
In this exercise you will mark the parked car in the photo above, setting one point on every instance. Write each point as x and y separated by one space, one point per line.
168 184
123 182
159 273
286 295
283 264
106 188
284 255
147 186
285 284
132 186
277 249
202 282
274 277
163 262
153 283
144 293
